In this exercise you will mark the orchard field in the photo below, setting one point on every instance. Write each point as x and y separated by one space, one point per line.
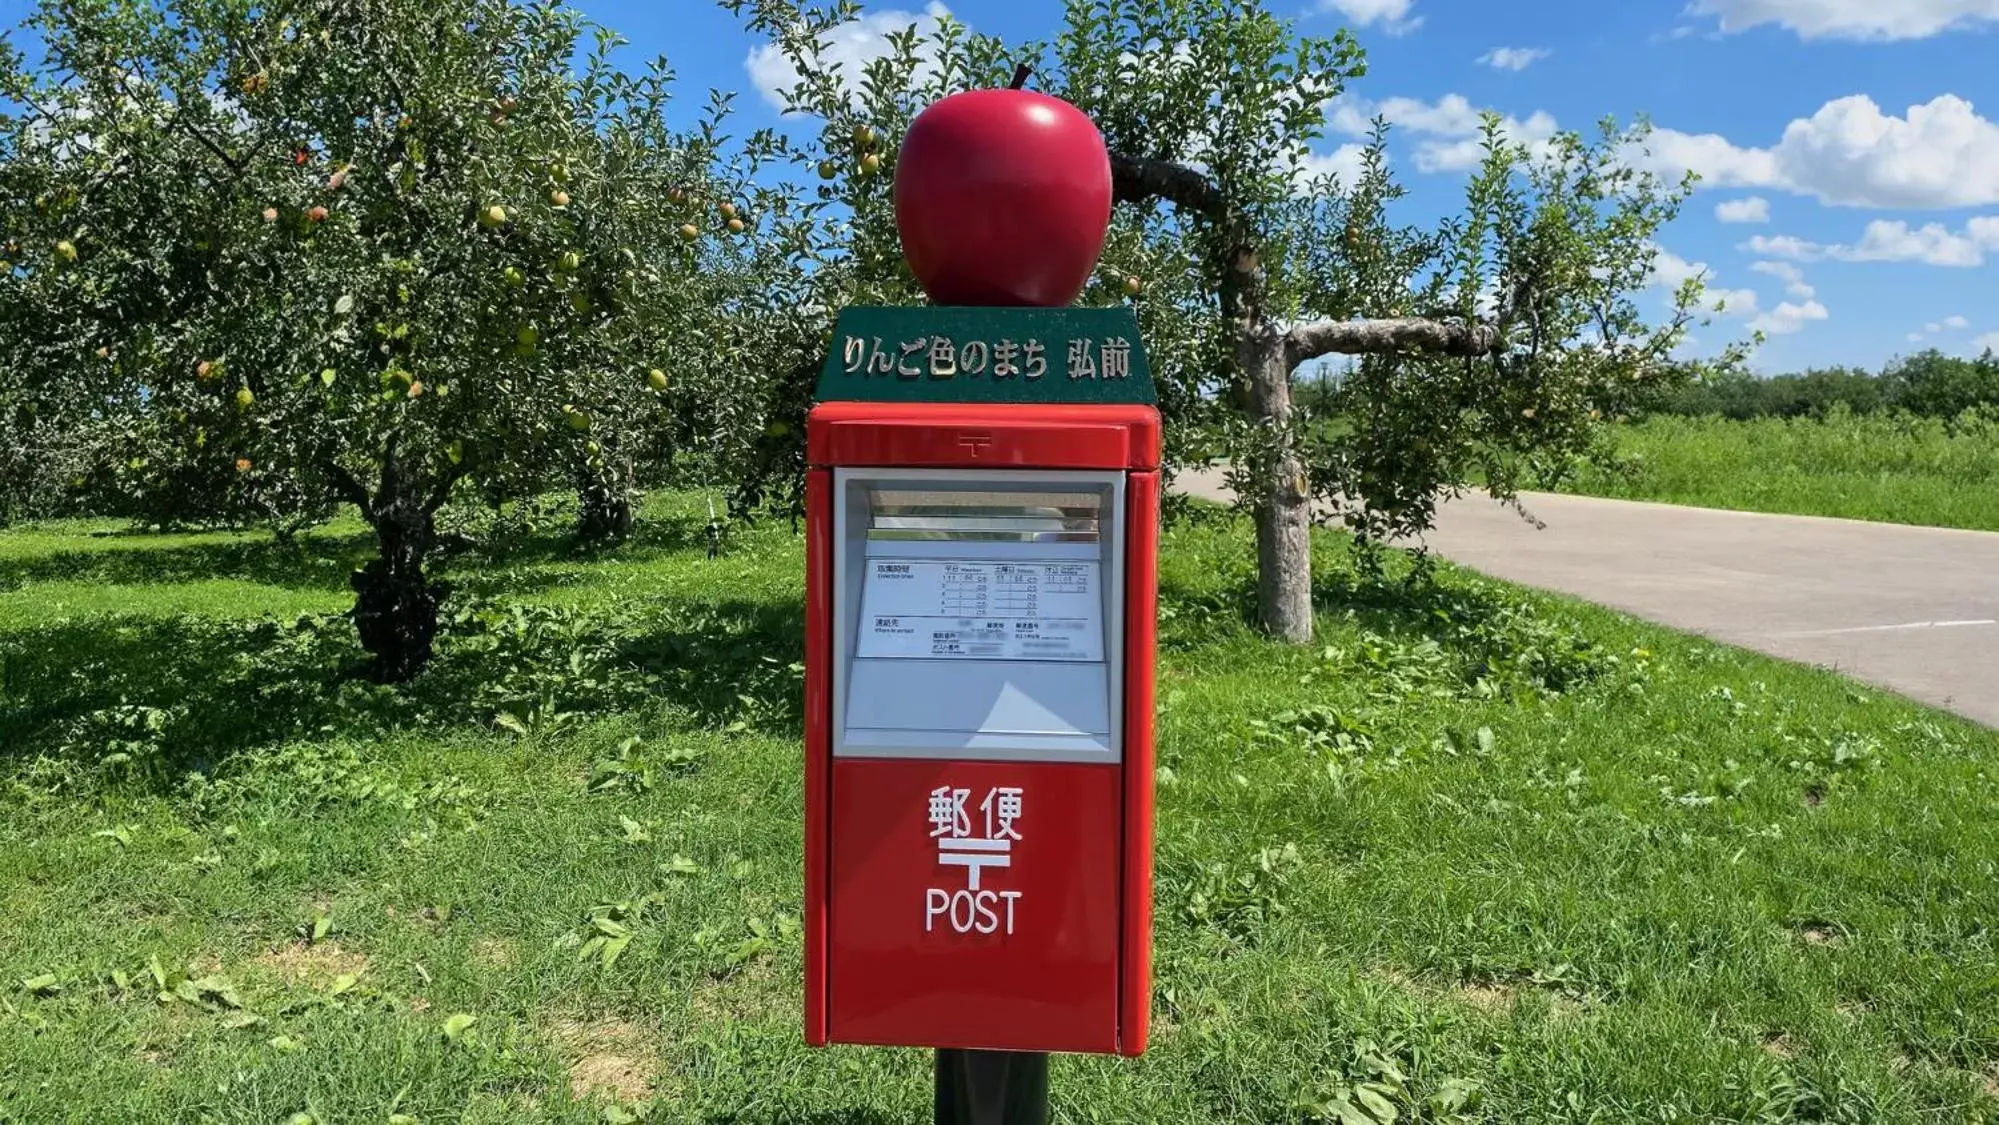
1476 856
1887 467
456 780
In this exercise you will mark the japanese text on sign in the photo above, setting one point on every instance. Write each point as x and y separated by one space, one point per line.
973 908
981 610
941 357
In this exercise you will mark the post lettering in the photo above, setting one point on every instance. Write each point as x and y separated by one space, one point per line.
1004 354
1081 366
1117 358
943 357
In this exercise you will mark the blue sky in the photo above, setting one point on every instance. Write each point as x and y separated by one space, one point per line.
1850 148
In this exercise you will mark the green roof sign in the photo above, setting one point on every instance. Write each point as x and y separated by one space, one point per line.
927 354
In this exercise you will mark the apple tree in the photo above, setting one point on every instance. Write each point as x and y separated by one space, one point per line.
324 252
1493 340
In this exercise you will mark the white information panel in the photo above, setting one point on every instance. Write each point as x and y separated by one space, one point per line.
939 609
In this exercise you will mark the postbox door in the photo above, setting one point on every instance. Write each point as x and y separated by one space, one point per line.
977 788
975 904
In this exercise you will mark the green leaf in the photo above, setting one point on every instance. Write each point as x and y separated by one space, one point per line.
121 834
457 1024
614 948
159 974
1487 741
681 865
321 926
1455 1095
238 1020
327 376
45 984
121 980
1376 1104
217 987
341 984
344 304
285 1043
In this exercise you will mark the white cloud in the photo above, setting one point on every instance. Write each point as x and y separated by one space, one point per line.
1935 327
1787 318
1513 58
1792 277
1754 209
1670 271
852 45
1733 302
1448 130
1345 163
1885 240
1940 154
1852 19
1987 343
1392 15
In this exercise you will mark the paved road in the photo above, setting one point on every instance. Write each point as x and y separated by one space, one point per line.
1911 609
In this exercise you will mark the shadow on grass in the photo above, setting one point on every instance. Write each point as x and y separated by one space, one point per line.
653 537
319 562
146 700
811 1117
729 662
323 560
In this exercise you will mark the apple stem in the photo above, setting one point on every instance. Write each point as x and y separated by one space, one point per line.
1020 73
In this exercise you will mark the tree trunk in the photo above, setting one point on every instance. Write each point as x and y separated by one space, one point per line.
1282 502
395 608
603 506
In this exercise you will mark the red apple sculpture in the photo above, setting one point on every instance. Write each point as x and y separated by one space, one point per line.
1003 197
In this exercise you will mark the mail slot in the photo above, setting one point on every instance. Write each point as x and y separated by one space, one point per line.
980 598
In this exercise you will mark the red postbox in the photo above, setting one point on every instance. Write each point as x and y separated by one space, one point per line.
982 509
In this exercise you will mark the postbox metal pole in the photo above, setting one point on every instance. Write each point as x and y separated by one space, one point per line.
992 1088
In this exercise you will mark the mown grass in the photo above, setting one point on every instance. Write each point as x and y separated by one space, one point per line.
1506 857
1895 469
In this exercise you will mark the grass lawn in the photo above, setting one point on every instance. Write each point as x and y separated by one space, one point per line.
1509 858
1918 471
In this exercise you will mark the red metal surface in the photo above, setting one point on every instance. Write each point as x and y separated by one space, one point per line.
1141 627
886 960
1010 436
903 973
818 738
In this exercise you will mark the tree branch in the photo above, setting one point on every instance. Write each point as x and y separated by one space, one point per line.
445 483
1138 180
348 486
1393 334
